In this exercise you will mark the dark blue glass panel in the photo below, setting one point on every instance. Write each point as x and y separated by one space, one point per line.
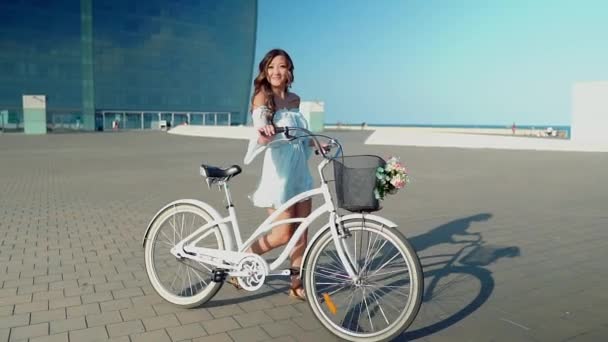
162 55
40 44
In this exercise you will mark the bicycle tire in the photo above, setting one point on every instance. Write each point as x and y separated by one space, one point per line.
315 271
192 295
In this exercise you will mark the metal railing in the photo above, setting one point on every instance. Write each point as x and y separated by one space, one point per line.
142 120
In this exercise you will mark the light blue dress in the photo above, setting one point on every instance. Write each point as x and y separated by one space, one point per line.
285 172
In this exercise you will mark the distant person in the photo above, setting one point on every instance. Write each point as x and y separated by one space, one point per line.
285 171
363 125
513 127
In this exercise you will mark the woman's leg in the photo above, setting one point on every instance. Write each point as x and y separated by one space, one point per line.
302 209
278 236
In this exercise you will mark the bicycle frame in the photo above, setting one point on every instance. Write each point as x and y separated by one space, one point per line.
218 257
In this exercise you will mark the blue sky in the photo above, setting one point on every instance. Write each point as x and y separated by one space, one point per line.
439 61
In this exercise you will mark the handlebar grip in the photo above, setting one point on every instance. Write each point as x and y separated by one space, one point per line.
285 130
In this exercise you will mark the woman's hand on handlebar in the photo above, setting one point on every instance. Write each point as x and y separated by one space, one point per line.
266 131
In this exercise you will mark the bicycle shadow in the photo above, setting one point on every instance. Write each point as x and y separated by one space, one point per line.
458 286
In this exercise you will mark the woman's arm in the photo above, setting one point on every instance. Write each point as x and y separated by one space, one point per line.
264 129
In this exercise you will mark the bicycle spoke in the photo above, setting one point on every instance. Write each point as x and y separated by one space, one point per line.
330 276
352 297
379 288
386 263
384 273
168 239
379 307
181 232
367 309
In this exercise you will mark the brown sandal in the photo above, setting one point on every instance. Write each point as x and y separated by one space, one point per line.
297 293
234 282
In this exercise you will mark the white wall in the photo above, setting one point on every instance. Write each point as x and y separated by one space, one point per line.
590 112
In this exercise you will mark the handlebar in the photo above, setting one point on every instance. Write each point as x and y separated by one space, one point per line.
319 149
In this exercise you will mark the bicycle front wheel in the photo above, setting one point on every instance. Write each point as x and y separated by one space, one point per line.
183 282
384 300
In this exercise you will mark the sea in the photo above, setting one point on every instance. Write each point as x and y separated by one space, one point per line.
537 127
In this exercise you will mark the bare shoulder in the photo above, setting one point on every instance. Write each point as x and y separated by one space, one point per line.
259 100
294 100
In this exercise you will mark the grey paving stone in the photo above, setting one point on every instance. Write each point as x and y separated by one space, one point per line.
78 291
64 302
282 328
283 339
82 310
47 316
114 305
6 310
19 282
164 321
63 337
32 307
193 315
187 331
4 334
45 279
90 334
256 305
225 310
147 300
151 336
97 297
220 325
252 318
125 328
308 323
86 281
70 284
110 286
46 295
248 334
27 298
223 337
143 311
14 321
34 330
164 308
62 325
32 289
33 273
283 312
127 293
103 318
317 335
8 292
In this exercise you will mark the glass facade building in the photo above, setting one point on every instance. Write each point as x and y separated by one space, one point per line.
133 62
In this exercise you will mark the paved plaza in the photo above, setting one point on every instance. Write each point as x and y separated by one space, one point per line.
513 243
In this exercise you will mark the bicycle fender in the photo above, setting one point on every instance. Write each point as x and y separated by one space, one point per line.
366 217
226 233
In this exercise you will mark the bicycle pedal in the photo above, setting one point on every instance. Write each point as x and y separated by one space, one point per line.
219 275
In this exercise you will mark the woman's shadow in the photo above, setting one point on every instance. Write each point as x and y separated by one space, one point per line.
456 282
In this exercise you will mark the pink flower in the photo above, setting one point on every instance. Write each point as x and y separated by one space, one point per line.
398 183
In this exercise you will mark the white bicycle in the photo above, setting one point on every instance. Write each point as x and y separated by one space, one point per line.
362 279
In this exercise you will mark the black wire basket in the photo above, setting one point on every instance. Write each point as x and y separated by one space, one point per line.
355 178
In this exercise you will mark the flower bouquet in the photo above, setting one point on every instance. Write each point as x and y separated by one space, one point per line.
390 178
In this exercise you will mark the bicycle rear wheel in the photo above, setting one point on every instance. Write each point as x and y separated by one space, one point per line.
183 282
387 296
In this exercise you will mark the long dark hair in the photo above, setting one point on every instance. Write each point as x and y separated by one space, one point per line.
261 84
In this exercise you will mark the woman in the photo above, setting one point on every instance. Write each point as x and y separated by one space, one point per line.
285 172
